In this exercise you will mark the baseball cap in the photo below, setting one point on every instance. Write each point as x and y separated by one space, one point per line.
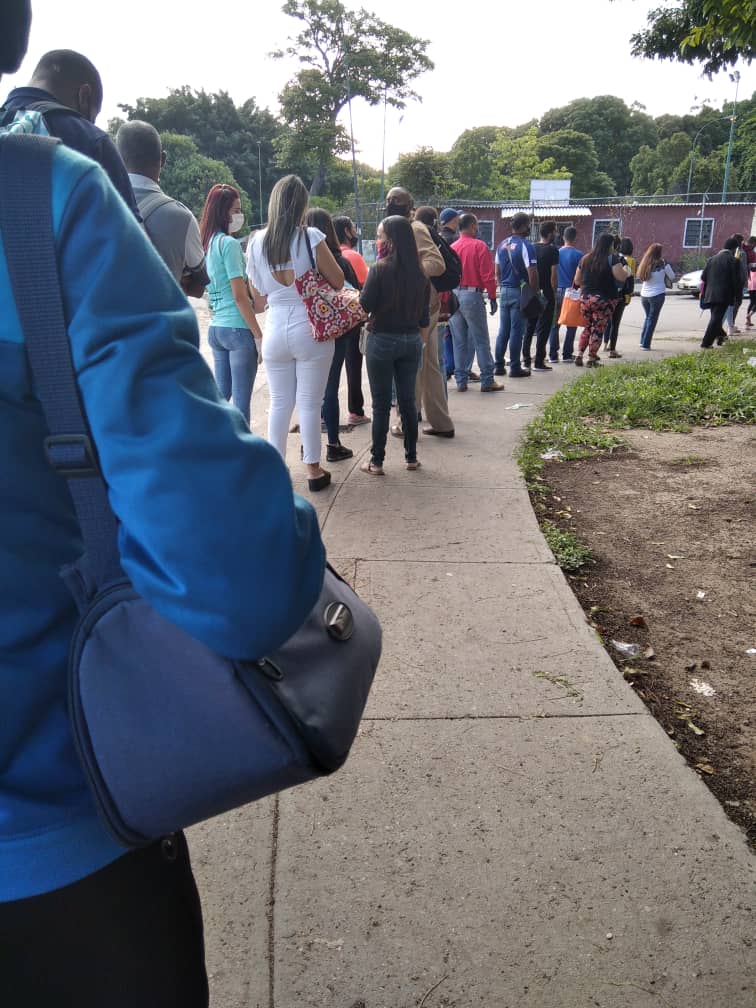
448 214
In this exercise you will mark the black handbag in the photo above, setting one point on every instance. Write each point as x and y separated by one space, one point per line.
168 732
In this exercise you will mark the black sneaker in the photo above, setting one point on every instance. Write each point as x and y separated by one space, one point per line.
337 453
499 370
542 367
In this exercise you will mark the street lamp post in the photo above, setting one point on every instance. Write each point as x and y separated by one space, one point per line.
259 178
734 77
693 148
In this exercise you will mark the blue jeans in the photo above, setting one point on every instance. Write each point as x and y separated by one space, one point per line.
331 394
569 336
393 356
652 307
235 362
511 329
469 328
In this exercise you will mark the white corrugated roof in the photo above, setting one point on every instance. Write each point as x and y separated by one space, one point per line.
560 210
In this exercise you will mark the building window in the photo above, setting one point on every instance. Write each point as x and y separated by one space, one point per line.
698 232
600 227
486 232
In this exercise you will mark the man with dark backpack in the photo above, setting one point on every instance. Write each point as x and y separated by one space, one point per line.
66 89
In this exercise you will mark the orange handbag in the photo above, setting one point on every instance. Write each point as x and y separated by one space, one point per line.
571 313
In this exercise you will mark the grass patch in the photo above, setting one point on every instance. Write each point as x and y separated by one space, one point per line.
703 389
688 461
568 552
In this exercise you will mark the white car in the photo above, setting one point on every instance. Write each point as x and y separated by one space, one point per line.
690 282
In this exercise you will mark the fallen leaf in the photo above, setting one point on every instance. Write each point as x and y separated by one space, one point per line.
649 653
706 768
706 665
695 729
638 621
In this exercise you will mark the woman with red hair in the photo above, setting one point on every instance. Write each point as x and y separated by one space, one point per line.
233 327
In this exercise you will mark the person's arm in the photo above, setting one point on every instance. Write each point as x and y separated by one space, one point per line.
577 280
328 267
497 271
370 293
184 474
431 260
233 260
486 269
621 272
243 303
530 263
425 317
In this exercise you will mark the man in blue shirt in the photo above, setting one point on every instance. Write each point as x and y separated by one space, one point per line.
67 89
515 266
569 257
83 921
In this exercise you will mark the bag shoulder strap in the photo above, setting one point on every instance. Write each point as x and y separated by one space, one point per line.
309 248
26 210
149 204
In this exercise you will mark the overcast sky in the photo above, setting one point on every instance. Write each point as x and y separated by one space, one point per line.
496 64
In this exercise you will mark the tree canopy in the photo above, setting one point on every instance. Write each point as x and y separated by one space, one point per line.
188 175
715 33
344 53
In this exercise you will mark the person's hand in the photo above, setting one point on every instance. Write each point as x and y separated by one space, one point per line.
494 306
258 345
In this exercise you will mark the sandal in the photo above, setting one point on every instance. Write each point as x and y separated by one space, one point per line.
593 362
578 361
370 467
614 355
412 466
396 430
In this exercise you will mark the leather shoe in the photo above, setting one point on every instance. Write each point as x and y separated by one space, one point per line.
520 374
439 433
499 370
493 387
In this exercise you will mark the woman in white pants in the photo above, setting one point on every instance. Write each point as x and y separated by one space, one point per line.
296 365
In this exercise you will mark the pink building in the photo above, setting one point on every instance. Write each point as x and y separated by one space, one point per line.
681 228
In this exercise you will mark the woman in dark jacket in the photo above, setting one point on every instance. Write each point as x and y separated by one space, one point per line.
335 450
396 295
600 275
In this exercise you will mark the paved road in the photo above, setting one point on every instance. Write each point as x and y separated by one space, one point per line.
513 829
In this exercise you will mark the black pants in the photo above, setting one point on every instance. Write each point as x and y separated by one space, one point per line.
612 330
128 936
714 330
353 365
540 327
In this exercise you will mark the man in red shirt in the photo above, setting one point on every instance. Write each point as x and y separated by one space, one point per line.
469 325
346 233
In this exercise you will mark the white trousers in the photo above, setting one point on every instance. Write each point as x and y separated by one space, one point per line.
297 368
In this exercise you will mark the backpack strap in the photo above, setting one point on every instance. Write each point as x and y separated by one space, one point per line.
152 202
26 224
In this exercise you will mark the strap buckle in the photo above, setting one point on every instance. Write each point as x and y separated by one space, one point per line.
71 455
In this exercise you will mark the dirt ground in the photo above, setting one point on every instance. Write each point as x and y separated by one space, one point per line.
671 525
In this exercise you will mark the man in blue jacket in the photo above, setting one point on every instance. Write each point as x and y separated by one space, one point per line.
211 535
67 89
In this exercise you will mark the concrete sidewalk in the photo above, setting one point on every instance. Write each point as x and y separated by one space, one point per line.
513 828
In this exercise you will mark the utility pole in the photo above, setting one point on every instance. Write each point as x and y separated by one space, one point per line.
259 179
733 77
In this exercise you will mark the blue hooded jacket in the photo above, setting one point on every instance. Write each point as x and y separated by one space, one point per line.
211 534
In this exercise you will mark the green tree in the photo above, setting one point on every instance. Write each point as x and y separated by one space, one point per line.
715 33
471 162
516 160
343 52
575 153
221 130
426 173
617 130
188 175
655 170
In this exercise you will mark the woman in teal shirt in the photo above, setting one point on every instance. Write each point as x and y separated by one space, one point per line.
234 333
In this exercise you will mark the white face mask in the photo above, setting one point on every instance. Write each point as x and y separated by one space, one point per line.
236 223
